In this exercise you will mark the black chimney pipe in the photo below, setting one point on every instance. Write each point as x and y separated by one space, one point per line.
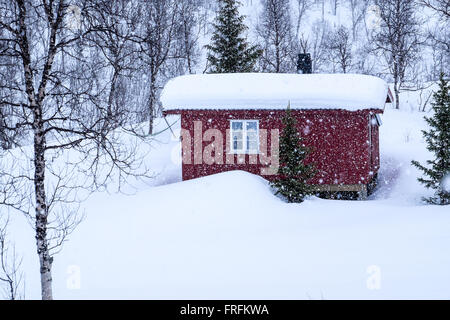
304 63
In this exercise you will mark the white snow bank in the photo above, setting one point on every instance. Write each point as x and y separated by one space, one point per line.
274 91
226 236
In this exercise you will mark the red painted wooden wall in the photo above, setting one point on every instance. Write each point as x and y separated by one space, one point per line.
344 149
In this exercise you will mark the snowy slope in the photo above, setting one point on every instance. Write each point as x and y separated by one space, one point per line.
227 236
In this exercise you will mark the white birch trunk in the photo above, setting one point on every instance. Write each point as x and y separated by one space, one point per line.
45 259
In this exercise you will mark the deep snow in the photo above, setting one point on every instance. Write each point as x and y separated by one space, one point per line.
228 237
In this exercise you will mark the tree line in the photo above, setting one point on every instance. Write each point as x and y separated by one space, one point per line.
385 38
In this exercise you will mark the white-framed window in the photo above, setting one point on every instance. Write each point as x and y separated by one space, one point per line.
244 136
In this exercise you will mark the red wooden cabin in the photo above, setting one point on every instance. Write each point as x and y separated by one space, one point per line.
233 121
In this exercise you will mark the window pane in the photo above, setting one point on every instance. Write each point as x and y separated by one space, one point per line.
252 141
252 135
236 125
252 145
252 126
237 145
237 135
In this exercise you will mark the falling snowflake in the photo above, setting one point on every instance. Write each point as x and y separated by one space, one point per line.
73 17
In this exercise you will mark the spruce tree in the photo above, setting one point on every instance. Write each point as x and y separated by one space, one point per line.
294 174
229 51
438 142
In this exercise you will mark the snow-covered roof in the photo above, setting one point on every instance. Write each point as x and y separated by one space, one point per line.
274 91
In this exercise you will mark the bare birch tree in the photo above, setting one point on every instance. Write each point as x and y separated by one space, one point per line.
339 49
8 74
398 39
116 57
159 18
302 7
439 37
358 9
74 148
188 35
275 33
442 7
11 277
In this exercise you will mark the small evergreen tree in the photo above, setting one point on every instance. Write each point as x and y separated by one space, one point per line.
438 142
294 173
229 51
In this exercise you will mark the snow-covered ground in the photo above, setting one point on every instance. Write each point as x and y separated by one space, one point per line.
228 237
